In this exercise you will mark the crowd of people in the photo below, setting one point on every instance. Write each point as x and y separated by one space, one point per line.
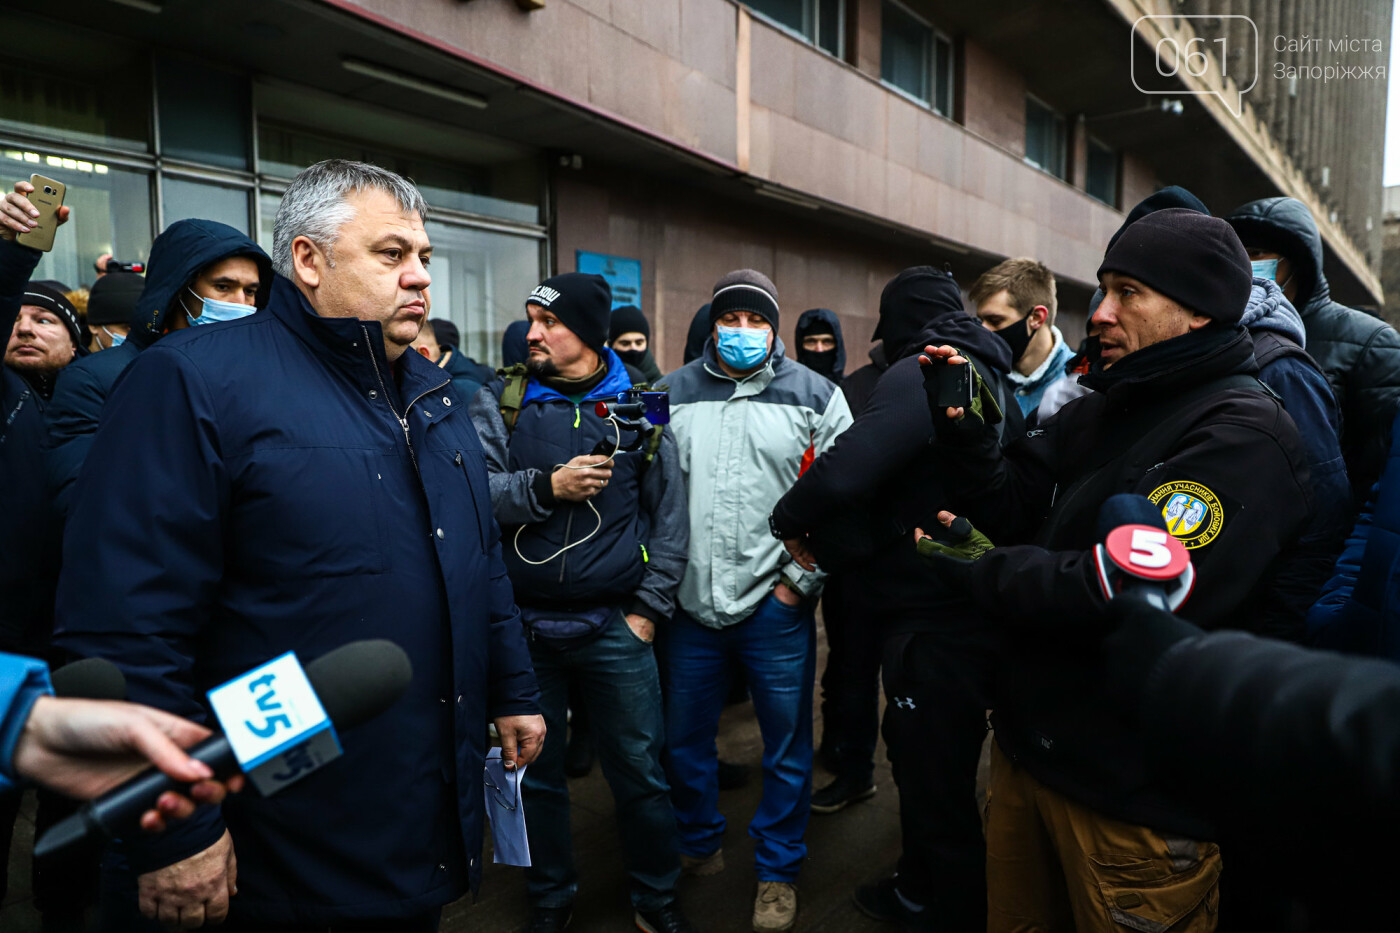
239 455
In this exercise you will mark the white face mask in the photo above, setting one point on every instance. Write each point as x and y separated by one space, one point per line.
215 311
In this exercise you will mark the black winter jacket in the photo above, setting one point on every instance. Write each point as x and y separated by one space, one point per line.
861 500
1360 353
1233 460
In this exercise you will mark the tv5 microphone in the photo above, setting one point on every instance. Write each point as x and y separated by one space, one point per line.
353 684
1137 554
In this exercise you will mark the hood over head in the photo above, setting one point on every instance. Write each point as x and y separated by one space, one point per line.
515 343
1286 226
821 321
177 256
1268 309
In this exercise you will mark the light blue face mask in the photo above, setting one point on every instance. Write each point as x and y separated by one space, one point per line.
216 311
117 339
743 347
1265 268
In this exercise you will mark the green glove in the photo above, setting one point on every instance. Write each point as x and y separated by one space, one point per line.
951 553
985 409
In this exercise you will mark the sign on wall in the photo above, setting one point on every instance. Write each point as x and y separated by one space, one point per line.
624 275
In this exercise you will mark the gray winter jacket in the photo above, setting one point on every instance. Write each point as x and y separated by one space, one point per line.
742 445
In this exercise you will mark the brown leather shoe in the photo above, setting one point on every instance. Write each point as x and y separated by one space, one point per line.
775 907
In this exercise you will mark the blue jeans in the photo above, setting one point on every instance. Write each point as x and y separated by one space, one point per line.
616 675
776 647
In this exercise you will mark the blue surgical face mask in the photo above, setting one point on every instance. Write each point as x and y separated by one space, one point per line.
216 311
743 347
117 339
1265 268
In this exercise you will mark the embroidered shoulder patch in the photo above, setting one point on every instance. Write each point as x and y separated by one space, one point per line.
1193 513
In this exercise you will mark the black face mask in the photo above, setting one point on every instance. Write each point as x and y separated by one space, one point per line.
822 362
632 357
1091 348
1017 335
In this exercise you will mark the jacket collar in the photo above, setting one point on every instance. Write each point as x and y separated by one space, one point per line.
1059 353
614 383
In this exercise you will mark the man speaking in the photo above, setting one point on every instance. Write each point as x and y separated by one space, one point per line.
298 481
1078 836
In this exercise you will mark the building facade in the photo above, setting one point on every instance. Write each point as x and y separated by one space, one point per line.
828 143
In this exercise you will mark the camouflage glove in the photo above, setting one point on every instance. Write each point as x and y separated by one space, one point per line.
983 411
950 552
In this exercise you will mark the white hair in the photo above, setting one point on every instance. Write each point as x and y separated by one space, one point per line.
315 205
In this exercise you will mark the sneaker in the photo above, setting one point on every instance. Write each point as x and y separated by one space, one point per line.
882 901
550 919
702 866
840 794
732 775
775 907
668 919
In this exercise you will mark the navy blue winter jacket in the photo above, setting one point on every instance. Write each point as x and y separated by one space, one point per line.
30 532
637 555
177 256
274 504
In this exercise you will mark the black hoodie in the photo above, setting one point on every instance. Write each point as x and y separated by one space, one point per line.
1359 353
821 321
860 501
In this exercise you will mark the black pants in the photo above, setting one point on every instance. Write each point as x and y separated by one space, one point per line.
851 680
934 727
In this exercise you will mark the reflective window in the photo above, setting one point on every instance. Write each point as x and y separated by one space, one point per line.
480 281
821 22
916 58
111 212
203 114
1045 138
182 199
97 99
1102 180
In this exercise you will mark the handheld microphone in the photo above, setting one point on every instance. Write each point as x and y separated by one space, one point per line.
354 683
1138 554
89 679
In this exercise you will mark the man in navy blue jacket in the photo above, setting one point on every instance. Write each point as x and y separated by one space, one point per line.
298 481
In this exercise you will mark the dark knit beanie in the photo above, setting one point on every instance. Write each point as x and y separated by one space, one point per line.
113 298
446 333
745 290
581 301
628 319
57 303
1196 260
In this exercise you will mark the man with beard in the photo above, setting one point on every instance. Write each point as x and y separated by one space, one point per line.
1079 834
851 512
595 547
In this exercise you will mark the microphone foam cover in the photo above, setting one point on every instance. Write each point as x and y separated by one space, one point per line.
358 681
89 679
1128 508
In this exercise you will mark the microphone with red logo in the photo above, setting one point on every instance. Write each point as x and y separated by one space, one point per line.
1137 554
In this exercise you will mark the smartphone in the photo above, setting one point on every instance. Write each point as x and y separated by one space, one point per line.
47 198
954 386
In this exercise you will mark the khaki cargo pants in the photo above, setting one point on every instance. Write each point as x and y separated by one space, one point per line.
1054 865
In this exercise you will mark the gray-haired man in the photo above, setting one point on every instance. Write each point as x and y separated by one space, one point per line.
306 483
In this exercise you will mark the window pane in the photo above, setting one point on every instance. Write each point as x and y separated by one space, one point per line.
787 12
904 51
830 25
65 84
182 199
1102 182
111 213
480 281
943 77
1045 138
203 114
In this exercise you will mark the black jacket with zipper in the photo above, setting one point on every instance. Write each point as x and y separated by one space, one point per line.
1186 411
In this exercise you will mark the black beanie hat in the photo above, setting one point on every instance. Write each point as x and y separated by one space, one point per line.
445 333
745 290
628 319
57 303
113 298
910 301
581 301
1194 259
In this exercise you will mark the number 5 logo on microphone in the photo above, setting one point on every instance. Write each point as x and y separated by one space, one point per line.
1147 553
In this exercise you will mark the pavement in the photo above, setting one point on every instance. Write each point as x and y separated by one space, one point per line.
844 849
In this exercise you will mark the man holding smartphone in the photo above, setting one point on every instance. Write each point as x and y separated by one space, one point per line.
1177 415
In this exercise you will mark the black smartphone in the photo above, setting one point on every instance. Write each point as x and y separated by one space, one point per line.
954 385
